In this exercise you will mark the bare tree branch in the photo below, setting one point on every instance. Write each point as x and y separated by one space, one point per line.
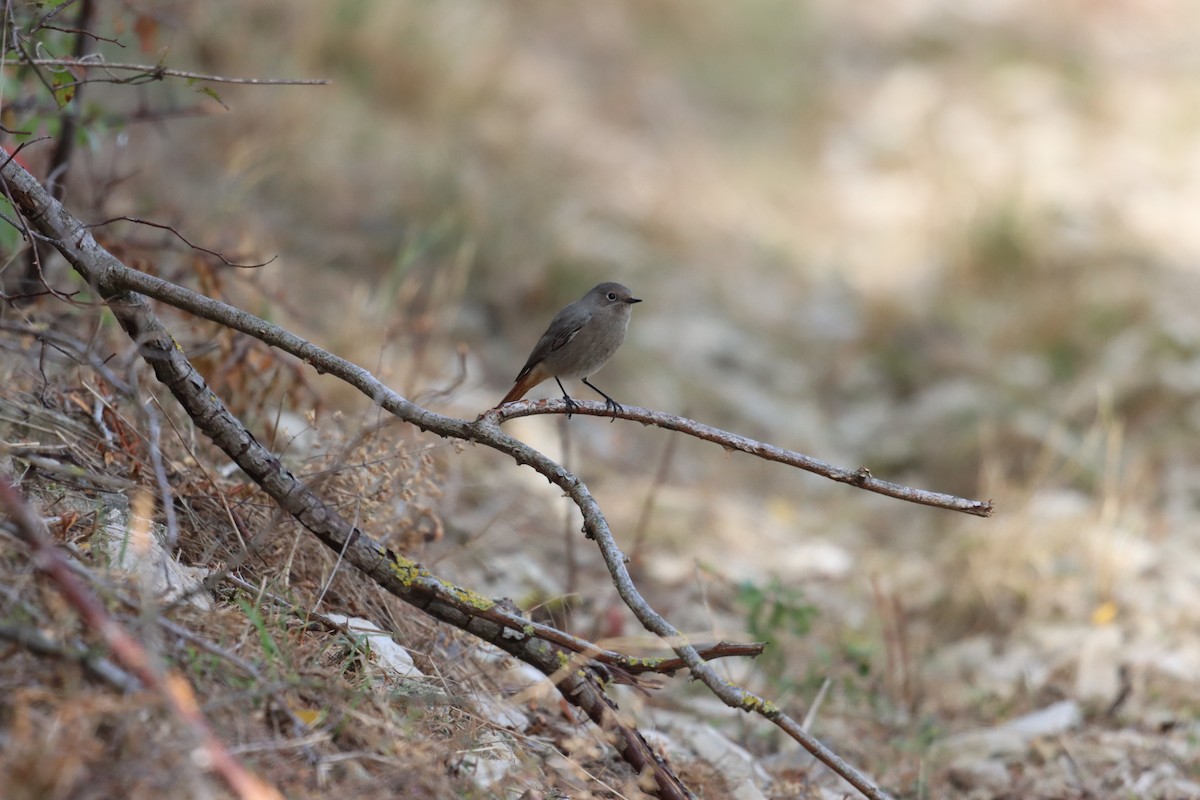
122 288
487 619
861 477
158 72
52 13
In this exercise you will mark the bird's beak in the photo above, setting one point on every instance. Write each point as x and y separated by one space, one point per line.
633 300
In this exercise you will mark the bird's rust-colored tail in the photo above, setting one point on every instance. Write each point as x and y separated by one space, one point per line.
525 382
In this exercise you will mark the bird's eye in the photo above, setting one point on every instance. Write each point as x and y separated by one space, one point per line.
612 296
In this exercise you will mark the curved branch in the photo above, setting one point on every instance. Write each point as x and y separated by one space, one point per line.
118 284
486 431
406 579
861 477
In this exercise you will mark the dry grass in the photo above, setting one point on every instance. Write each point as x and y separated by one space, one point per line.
286 689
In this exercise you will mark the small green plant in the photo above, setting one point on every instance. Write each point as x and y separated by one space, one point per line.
775 611
272 652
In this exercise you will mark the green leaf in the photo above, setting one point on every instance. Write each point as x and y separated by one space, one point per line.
211 92
64 89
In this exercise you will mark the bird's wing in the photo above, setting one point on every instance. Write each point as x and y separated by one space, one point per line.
565 326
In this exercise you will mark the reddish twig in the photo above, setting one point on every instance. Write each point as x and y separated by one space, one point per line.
127 650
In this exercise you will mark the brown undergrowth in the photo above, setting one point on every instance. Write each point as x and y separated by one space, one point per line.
300 699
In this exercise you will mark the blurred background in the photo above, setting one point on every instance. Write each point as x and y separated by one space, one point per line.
953 242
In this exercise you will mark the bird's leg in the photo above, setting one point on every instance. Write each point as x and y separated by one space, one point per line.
610 404
570 403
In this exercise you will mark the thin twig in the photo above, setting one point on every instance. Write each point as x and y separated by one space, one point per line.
70 347
656 484
861 477
160 475
183 239
485 429
52 13
810 718
82 32
64 145
17 151
157 72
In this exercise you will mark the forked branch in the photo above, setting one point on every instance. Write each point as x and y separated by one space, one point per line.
122 288
487 619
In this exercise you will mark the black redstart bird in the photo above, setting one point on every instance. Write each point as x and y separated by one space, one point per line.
580 340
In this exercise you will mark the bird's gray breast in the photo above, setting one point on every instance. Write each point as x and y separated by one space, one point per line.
593 345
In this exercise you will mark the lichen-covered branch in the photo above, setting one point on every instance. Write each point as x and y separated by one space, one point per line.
122 288
400 576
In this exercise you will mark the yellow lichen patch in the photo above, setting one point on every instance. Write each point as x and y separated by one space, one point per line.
753 704
408 571
648 663
473 599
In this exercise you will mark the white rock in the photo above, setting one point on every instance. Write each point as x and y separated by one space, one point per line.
1049 721
501 713
137 551
1013 737
747 791
490 761
988 773
734 762
389 655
